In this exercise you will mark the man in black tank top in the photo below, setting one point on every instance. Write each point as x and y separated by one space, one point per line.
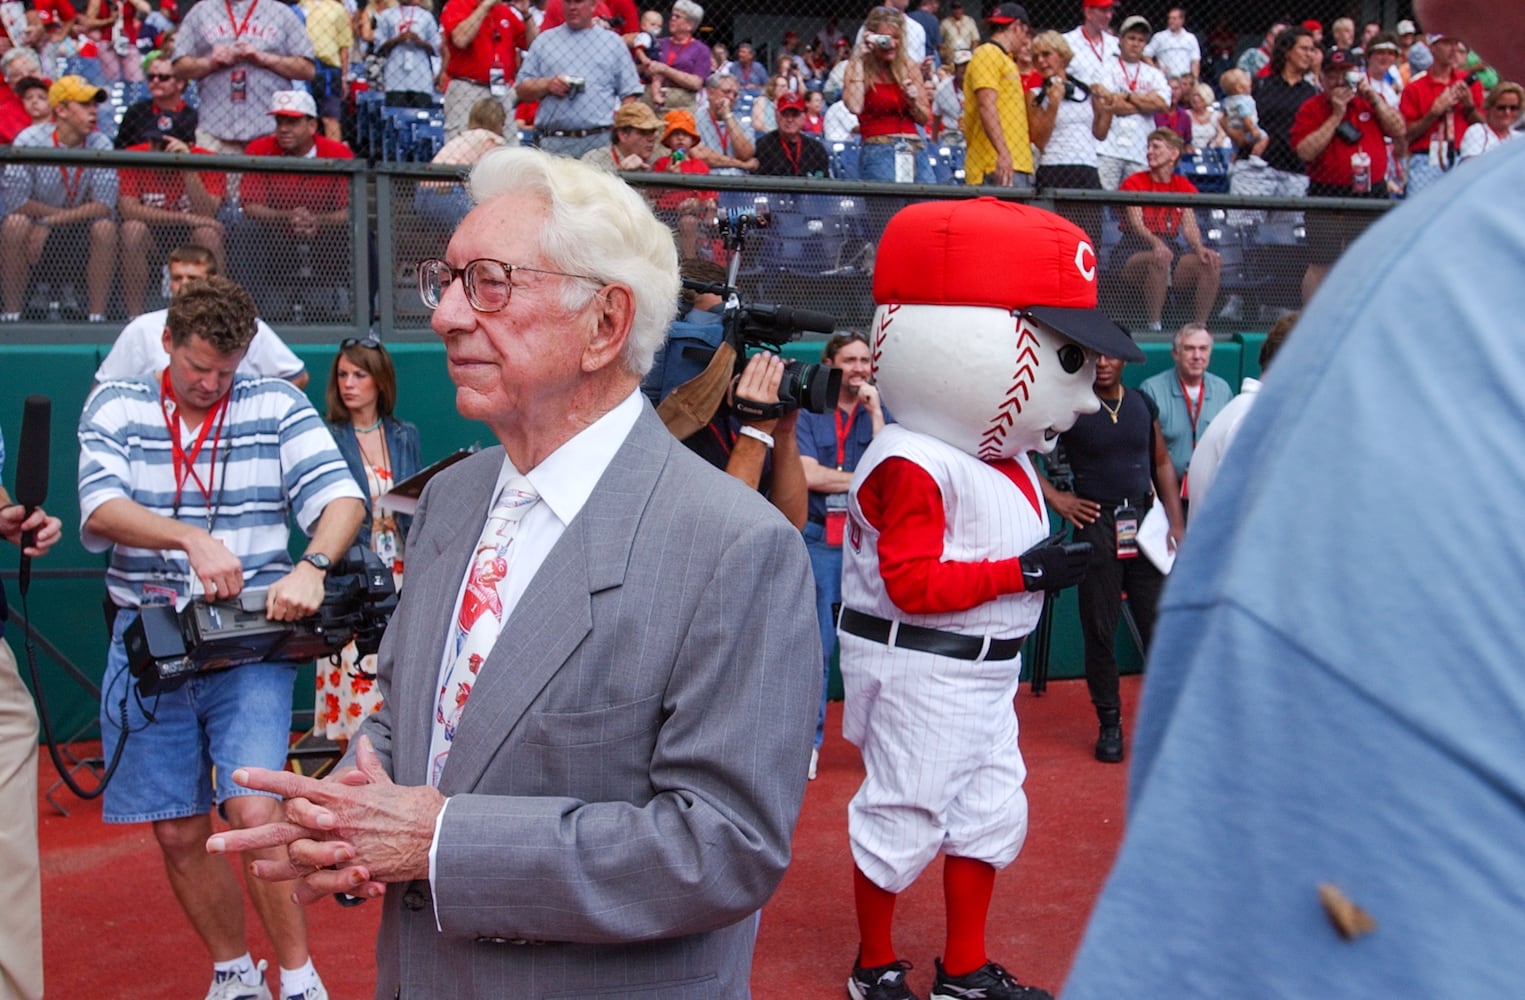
1120 466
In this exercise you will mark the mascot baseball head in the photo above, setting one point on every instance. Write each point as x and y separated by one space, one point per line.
987 332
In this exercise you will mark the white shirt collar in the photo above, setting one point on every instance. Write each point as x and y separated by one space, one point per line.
566 478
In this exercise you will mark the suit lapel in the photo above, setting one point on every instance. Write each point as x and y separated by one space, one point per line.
556 612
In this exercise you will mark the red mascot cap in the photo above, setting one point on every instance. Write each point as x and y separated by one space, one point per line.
942 253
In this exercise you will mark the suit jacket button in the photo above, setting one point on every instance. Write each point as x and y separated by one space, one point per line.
415 899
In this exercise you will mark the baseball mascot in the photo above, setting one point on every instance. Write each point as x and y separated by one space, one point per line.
985 341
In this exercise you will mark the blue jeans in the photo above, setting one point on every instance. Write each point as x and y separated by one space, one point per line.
223 720
877 163
826 566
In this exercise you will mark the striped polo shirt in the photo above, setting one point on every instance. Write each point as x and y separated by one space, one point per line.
274 458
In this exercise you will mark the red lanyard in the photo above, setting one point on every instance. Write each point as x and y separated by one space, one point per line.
673 53
792 156
1132 81
1100 51
843 429
1193 414
185 464
239 28
70 184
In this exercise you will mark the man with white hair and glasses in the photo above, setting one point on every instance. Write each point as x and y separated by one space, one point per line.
634 631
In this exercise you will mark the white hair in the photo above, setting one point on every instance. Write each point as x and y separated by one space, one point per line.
17 54
690 10
596 225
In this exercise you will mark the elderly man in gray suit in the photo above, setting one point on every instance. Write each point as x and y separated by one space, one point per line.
608 811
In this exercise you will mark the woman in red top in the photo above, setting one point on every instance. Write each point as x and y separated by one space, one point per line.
887 93
1150 248
113 26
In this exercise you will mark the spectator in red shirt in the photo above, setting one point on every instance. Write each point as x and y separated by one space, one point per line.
483 39
684 209
1437 108
1150 249
18 64
1333 130
306 211
166 208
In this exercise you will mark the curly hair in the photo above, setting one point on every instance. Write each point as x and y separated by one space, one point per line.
215 309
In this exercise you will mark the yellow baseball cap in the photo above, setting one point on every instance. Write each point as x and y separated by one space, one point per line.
74 88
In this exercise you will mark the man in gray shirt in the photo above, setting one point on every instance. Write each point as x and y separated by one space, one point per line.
241 52
579 73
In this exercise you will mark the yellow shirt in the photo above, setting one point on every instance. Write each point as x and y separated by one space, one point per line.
328 27
992 69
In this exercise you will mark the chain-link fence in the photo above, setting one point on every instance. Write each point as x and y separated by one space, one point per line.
824 121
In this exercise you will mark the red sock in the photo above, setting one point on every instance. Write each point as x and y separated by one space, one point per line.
967 888
876 912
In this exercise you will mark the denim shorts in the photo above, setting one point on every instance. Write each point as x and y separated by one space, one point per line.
180 742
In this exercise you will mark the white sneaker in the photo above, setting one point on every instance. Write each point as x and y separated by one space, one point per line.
316 992
227 986
815 758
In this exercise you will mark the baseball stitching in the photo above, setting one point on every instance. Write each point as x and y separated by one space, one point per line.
1019 393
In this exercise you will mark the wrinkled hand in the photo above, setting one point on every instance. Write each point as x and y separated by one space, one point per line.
1074 509
351 833
219 570
14 522
223 56
295 595
1054 567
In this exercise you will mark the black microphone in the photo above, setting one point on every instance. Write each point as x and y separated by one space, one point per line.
32 472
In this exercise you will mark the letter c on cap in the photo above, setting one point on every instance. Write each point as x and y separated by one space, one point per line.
1087 270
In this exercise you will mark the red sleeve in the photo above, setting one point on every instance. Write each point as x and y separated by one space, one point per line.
1182 184
453 14
903 501
1408 103
1312 114
553 16
216 183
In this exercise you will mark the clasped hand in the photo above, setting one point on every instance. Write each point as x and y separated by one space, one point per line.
352 832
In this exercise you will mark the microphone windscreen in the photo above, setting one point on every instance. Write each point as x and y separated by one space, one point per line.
32 459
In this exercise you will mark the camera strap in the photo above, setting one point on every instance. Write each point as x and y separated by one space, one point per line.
748 409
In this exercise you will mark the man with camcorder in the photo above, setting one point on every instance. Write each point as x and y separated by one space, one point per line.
188 476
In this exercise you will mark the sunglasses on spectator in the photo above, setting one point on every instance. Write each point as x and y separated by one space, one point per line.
369 340
161 77
1506 107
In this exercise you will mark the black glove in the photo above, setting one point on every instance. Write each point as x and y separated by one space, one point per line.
1054 567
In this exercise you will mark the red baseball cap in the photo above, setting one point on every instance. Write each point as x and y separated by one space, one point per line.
1099 3
789 99
939 253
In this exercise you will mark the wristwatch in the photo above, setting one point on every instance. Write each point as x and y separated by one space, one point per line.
318 561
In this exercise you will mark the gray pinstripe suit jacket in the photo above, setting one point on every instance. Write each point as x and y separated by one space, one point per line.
625 782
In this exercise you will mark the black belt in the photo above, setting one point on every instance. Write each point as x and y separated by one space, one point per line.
572 133
927 640
1138 503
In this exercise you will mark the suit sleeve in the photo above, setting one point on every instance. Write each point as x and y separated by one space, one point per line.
903 502
707 842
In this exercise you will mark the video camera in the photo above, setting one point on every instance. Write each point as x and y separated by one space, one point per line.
812 386
166 647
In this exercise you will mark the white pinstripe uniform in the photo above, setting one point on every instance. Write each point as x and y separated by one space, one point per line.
938 735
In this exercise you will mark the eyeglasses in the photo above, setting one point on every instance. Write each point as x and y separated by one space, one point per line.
488 283
1511 108
369 340
161 77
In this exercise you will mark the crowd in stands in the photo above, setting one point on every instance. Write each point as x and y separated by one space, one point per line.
917 93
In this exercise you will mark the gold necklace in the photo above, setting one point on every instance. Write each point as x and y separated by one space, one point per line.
1112 411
